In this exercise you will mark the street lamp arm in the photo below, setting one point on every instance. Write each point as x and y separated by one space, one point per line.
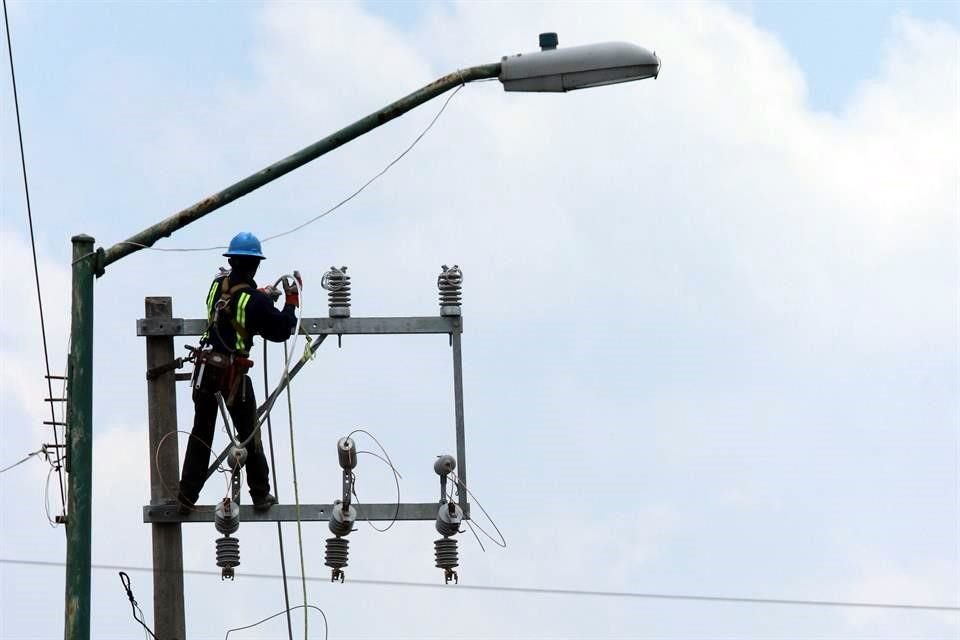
166 227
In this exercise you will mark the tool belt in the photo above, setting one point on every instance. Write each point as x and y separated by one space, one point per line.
219 372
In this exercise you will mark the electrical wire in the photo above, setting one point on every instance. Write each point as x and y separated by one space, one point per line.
470 526
371 180
24 459
326 212
503 541
396 479
305 607
273 471
33 243
125 580
296 488
546 591
156 460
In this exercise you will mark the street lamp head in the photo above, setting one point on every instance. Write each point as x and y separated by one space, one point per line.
591 65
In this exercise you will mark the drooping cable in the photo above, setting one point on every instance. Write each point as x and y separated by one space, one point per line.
296 489
156 460
396 475
305 607
371 180
24 459
329 210
137 612
33 248
546 591
503 541
273 472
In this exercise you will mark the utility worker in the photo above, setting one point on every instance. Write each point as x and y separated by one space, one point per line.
237 311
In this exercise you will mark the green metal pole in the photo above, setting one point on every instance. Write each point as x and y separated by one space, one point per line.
79 442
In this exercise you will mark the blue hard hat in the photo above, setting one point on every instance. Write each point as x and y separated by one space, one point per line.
245 244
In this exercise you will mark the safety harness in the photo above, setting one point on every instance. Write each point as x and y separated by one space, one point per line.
215 371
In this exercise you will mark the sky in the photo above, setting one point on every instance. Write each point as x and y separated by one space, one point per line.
712 339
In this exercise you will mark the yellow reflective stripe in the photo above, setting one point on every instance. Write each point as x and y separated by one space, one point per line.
210 300
242 309
211 296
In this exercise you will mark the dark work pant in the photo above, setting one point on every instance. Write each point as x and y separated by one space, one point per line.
243 414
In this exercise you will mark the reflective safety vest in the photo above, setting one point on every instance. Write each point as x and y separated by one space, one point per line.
221 299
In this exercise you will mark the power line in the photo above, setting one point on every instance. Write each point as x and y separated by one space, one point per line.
544 591
330 210
33 247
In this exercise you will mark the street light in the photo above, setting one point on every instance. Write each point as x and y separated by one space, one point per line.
547 70
591 65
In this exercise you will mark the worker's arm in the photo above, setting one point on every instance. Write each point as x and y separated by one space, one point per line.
262 318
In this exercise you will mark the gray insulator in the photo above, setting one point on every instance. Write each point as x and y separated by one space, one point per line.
449 517
238 456
446 553
226 517
228 554
347 452
337 551
337 282
450 282
444 465
341 523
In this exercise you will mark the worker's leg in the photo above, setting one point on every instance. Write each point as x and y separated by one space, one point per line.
197 459
244 415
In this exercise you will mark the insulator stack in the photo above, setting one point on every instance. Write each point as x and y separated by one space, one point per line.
447 559
341 527
226 517
450 283
341 524
336 557
228 556
337 282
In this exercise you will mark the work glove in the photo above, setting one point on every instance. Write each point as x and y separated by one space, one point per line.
272 292
292 290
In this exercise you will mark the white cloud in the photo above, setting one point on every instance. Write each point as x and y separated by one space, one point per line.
663 281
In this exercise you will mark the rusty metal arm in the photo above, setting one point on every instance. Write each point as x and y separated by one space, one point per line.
165 228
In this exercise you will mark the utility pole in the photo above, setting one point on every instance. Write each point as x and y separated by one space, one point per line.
169 621
78 439
548 70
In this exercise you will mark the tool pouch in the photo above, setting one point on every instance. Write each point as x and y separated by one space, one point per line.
209 372
234 379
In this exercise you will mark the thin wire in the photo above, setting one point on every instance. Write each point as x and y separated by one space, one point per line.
469 525
540 590
33 244
46 499
396 476
305 607
296 488
502 544
125 580
326 212
395 472
371 180
27 457
156 460
273 470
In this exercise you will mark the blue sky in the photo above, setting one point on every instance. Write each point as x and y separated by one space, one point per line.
728 298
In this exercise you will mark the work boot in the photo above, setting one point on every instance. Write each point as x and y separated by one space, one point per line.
264 502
